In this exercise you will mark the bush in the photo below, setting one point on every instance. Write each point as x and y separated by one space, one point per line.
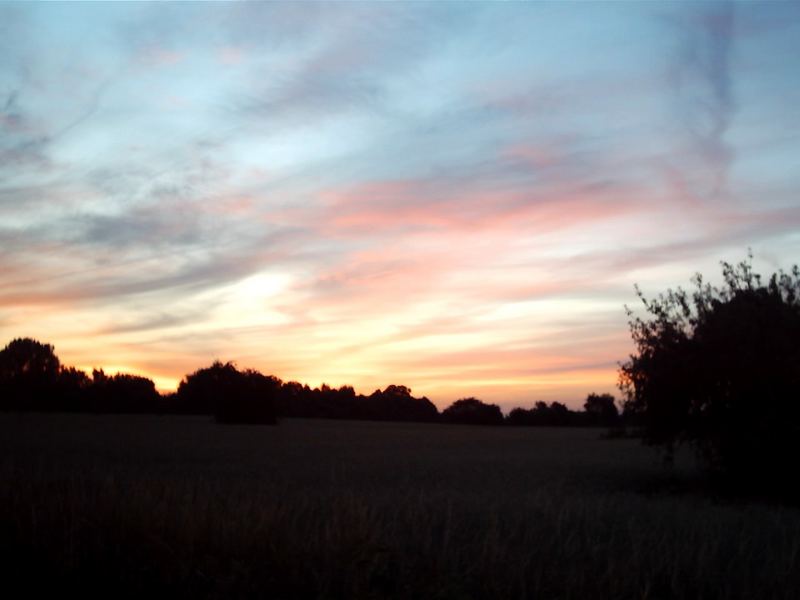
233 396
555 414
396 403
29 374
601 409
720 369
471 411
121 393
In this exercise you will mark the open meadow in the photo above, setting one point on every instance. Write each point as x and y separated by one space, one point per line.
126 506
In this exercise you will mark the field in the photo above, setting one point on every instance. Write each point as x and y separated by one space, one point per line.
126 506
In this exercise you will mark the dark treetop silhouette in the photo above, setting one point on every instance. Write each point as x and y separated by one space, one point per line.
233 396
720 368
471 411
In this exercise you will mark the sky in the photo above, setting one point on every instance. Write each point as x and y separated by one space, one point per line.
456 197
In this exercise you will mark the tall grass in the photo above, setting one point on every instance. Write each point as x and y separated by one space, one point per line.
142 505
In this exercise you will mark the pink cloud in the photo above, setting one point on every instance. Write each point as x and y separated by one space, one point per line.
156 56
13 123
538 157
232 205
231 55
408 204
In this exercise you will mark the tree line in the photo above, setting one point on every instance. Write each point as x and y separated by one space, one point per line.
717 368
32 378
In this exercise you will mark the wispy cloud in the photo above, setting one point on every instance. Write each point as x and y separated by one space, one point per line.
704 83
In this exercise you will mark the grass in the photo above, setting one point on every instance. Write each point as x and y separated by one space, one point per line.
135 505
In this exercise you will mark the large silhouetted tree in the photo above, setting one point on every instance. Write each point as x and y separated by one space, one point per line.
122 393
29 372
233 396
720 368
396 403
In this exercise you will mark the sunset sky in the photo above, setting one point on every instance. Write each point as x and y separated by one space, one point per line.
457 197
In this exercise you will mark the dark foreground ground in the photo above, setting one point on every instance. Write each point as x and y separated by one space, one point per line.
139 505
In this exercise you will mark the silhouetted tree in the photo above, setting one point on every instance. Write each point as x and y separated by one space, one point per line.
333 403
122 393
233 396
720 368
601 409
396 403
72 389
294 400
471 411
520 417
559 414
542 415
29 373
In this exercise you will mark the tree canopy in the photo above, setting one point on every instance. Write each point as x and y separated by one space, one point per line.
720 368
601 409
233 396
29 373
471 411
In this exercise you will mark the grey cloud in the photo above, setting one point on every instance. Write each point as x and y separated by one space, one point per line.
24 155
349 67
140 228
704 83
277 24
742 231
28 138
320 96
10 102
364 26
200 274
150 322
119 274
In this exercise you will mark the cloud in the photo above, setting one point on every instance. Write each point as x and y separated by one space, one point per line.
703 80
341 61
29 136
463 206
190 269
155 322
155 56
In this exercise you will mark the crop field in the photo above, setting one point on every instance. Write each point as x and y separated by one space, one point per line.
126 506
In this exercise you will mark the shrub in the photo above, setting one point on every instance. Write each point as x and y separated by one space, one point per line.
720 369
471 411
233 396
